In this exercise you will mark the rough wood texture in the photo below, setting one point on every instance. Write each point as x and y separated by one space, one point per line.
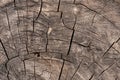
59 40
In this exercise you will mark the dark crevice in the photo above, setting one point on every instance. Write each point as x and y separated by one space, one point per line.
47 39
58 9
61 15
7 71
76 70
92 76
4 49
39 10
26 45
108 49
87 46
111 46
74 1
33 23
46 42
37 53
14 3
105 69
61 70
72 36
6 66
24 66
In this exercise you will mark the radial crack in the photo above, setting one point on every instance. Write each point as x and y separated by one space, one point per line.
111 46
98 13
58 9
24 66
105 69
61 70
39 10
4 49
76 70
8 21
71 40
92 76
74 1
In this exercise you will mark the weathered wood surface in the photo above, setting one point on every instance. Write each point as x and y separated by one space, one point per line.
59 40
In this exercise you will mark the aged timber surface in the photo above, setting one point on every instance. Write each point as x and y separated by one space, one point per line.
59 39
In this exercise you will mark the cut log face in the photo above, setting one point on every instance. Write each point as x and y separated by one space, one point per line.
60 40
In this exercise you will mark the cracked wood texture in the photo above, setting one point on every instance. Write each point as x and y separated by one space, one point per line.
59 39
